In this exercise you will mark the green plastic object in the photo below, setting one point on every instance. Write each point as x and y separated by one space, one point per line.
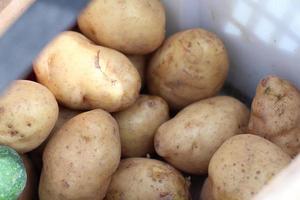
12 174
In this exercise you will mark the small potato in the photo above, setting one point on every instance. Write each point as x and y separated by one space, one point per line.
82 75
191 65
139 63
189 140
275 113
206 192
243 165
138 124
80 158
65 115
30 191
130 26
28 112
147 179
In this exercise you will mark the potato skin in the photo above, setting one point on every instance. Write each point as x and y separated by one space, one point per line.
30 190
189 140
206 192
28 112
147 179
139 62
64 115
82 75
191 65
275 113
138 124
80 158
130 26
243 165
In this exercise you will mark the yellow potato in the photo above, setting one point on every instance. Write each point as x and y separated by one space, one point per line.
130 26
139 63
206 192
191 65
147 179
138 124
80 158
30 190
28 112
275 113
64 115
243 165
189 140
82 75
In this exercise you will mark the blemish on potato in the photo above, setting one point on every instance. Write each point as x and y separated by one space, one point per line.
65 184
9 125
2 109
86 138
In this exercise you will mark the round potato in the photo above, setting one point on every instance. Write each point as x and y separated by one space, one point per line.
80 158
28 112
190 66
82 75
275 113
64 115
130 26
138 124
139 63
30 190
147 179
243 165
206 192
189 140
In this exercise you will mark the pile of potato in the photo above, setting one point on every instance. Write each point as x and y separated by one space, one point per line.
89 126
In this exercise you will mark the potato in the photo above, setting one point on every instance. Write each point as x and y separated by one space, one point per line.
243 165
85 76
30 191
275 113
138 124
130 26
65 115
139 63
28 112
147 179
80 158
190 66
206 192
189 140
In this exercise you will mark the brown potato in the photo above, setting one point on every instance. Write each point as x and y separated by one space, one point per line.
206 192
80 158
138 124
243 165
130 26
191 65
28 112
275 113
82 75
189 140
147 179
139 63
30 190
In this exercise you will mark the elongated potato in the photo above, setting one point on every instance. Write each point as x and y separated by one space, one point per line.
28 112
147 179
138 124
82 75
275 113
243 165
80 158
130 26
30 190
191 65
189 140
